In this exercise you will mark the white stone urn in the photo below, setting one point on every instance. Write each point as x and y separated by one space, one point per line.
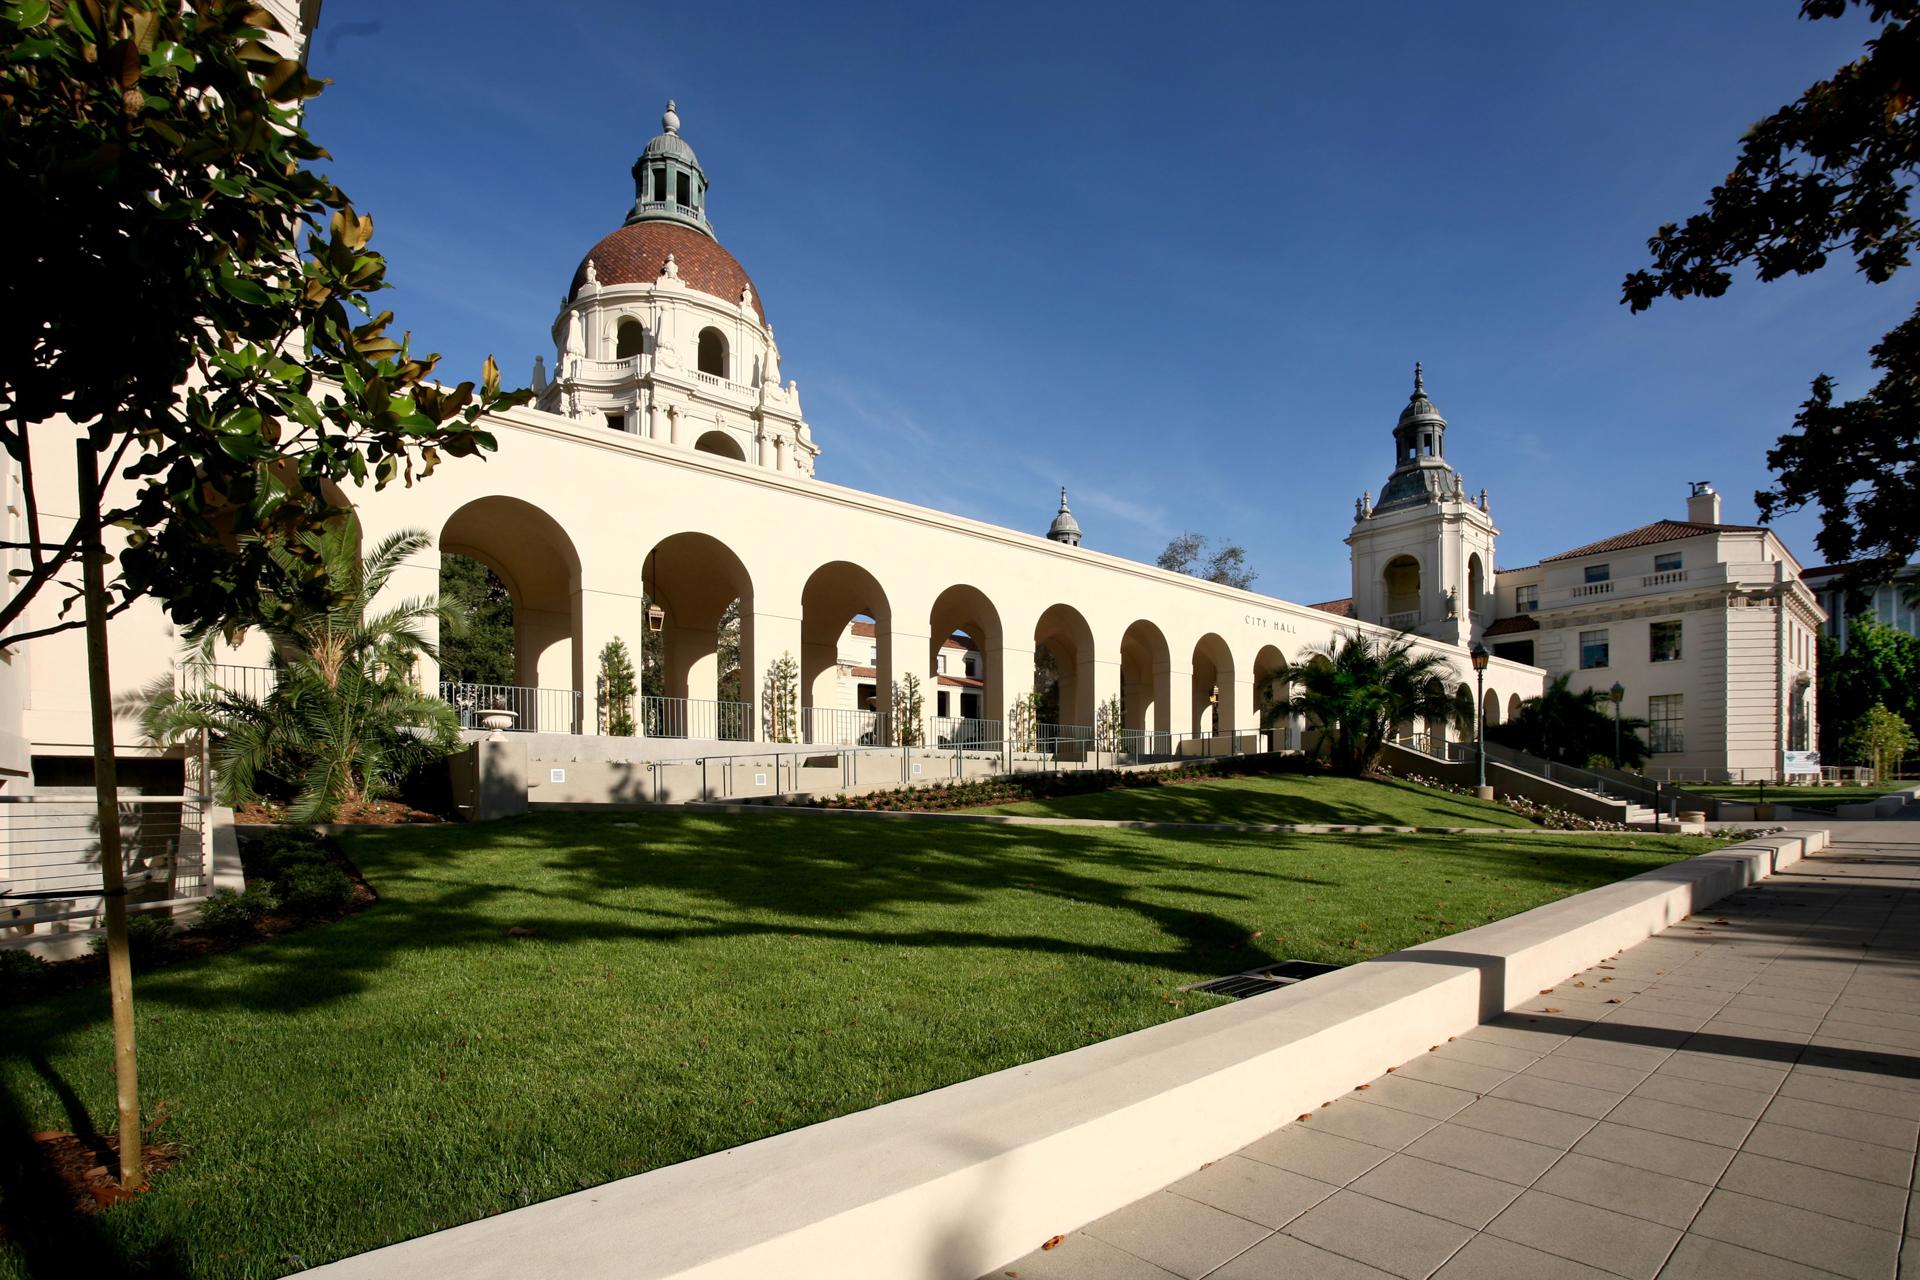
499 721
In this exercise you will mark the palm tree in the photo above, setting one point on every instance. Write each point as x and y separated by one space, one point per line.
343 722
1570 727
1357 688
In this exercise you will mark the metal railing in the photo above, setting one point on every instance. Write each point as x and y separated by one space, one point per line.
533 710
246 682
959 731
50 851
699 718
838 726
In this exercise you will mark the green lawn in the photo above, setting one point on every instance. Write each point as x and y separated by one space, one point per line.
1279 798
696 981
1800 797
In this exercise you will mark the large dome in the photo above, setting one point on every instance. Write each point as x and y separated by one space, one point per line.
637 253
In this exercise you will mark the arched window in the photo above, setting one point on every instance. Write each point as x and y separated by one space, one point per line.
631 340
713 352
1476 584
1402 582
719 442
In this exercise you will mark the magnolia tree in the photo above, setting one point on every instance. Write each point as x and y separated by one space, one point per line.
194 301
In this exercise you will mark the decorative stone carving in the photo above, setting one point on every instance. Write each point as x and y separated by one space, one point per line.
671 271
539 374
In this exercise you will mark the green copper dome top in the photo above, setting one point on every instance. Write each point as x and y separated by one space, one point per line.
1420 471
668 183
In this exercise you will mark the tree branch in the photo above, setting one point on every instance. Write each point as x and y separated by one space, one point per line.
12 641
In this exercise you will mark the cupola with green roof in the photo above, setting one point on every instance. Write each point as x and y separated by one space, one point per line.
668 183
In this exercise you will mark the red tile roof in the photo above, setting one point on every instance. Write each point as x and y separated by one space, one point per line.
1338 608
1511 626
636 253
1648 534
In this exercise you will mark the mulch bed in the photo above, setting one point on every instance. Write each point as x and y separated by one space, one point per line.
88 1169
369 813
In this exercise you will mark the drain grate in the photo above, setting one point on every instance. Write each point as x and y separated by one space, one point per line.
1271 977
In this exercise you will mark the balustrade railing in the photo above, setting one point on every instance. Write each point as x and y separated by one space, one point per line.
842 727
533 710
1405 620
696 718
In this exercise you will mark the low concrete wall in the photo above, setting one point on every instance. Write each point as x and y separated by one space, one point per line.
951 1184
1887 806
1506 781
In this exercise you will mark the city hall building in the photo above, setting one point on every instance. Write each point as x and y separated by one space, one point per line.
667 380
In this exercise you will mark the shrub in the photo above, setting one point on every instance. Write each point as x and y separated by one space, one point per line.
279 852
314 889
228 914
150 938
22 974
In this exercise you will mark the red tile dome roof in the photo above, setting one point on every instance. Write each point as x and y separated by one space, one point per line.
636 253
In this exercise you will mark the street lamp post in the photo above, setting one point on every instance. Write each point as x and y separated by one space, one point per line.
1480 656
1614 695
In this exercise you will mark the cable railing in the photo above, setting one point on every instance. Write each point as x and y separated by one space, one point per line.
698 718
50 852
531 710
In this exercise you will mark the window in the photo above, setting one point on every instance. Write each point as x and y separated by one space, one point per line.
1664 723
1599 573
660 183
713 353
685 191
618 421
940 667
1663 642
873 654
632 339
1526 599
942 705
1515 651
1668 562
1593 649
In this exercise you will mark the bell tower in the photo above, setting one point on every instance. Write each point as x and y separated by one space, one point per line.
1422 554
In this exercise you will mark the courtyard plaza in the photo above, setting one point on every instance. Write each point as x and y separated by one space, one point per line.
1738 1096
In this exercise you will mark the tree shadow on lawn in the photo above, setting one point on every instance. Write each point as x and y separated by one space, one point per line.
677 877
1235 801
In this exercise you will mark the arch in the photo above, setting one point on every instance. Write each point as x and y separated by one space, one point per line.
1400 587
1271 691
713 355
721 444
1212 674
1146 681
1065 635
835 705
1466 714
965 609
1312 731
1513 707
536 561
1490 709
1476 585
702 586
630 338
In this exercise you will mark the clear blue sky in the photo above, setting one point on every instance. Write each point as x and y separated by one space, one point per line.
1179 260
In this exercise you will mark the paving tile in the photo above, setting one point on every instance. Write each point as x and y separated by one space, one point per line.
1620 1053
1322 1156
1692 1065
1756 1015
1365 1122
1183 1236
1703 1258
1558 1095
1799 1235
1660 1152
1861 1200
1421 1097
1262 1193
1437 1190
1081 1257
1851 1093
1883 1036
1753 1044
1587 1234
1639 1193
1705 1095
1681 1121
1454 1073
1605 1076
1543 1125
1382 1235
1491 1258
1791 1006
1491 1155
1281 1257
1843 1122
1485 1053
1801 1146
1516 1036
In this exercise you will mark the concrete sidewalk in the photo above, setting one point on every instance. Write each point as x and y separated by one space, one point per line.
1738 1096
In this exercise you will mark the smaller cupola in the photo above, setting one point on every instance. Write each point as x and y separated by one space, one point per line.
668 183
1421 432
1065 528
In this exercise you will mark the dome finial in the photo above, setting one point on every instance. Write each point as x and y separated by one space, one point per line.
1419 384
1063 497
670 120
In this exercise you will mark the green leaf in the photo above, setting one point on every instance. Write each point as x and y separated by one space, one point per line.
243 421
169 54
245 291
28 13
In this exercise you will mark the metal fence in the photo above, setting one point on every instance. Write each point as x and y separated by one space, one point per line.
50 852
246 682
532 710
954 731
696 718
837 726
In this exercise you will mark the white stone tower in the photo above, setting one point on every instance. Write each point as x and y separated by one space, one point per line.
1423 554
663 335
